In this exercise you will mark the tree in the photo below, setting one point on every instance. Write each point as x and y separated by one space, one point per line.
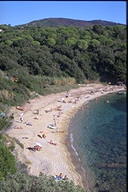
71 41
98 29
9 42
82 44
50 42
21 42
36 43
94 43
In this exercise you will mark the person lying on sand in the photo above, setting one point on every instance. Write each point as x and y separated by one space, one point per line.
31 148
42 136
48 110
36 112
59 177
18 127
36 117
24 137
60 131
28 123
58 107
37 148
52 143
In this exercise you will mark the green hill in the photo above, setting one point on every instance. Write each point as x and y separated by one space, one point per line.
43 59
55 22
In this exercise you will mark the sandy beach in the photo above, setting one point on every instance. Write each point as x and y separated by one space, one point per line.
30 127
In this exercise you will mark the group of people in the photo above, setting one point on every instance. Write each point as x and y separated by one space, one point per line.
42 136
61 177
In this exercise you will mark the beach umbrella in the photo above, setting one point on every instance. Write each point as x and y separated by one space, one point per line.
38 144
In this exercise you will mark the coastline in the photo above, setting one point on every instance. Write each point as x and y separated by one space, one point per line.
53 160
88 177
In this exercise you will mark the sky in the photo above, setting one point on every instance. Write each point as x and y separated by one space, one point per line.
22 12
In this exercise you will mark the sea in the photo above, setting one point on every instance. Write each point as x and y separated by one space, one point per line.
97 134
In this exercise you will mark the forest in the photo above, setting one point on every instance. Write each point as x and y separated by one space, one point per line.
34 58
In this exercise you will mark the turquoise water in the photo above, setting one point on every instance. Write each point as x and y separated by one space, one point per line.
98 137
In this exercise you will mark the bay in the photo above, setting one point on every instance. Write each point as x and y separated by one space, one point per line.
98 138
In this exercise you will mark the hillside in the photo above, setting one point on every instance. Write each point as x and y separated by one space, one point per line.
42 59
55 22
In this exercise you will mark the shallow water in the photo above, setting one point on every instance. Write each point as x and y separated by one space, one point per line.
98 137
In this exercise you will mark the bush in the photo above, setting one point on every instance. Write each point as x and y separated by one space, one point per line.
7 161
4 123
21 182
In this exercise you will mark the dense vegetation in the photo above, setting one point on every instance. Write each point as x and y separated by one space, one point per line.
56 22
21 182
7 160
34 59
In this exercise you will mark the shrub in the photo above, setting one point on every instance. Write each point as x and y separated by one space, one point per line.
4 123
21 182
7 161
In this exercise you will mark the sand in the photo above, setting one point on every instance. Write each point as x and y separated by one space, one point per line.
52 159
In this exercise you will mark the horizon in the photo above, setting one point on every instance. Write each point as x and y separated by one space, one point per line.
22 12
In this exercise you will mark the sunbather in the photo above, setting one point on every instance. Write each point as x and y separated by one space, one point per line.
48 110
29 123
36 117
43 135
37 147
31 148
18 127
60 175
65 177
51 142
40 136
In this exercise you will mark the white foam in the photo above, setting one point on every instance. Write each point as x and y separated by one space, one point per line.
72 139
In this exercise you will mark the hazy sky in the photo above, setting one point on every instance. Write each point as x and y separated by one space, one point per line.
22 12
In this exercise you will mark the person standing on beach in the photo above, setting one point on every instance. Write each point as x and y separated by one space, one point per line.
54 122
21 117
37 111
54 119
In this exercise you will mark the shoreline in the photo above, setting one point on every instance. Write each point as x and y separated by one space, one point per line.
74 152
84 172
53 160
86 182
